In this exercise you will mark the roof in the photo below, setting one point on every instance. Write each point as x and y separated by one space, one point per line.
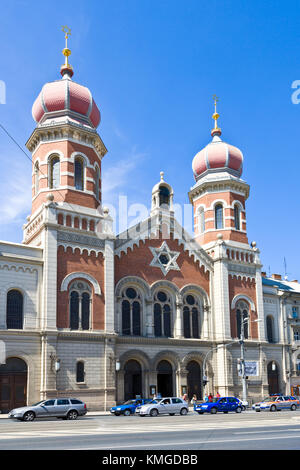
287 286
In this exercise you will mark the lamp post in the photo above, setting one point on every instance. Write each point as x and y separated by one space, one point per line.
242 339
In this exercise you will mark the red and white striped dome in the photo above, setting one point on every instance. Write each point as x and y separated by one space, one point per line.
218 155
66 97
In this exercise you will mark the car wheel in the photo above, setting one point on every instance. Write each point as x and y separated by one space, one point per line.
184 411
153 412
293 407
127 413
213 411
29 416
273 408
238 410
72 414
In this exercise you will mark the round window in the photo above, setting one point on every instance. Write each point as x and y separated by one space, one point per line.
190 299
161 296
131 293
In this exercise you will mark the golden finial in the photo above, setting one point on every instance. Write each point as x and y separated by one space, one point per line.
66 52
215 116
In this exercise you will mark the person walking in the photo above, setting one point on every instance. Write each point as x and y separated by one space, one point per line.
218 395
206 398
194 400
210 397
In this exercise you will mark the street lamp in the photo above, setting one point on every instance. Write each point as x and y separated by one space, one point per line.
242 361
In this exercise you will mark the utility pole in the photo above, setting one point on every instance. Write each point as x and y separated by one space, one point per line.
242 338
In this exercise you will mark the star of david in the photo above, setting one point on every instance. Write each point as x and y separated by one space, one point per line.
164 258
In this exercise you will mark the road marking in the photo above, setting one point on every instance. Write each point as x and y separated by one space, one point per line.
182 443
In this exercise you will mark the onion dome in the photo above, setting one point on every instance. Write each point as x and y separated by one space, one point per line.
217 155
66 98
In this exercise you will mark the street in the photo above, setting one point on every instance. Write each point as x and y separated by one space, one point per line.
246 431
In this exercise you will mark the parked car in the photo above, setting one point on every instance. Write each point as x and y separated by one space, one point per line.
277 403
65 408
223 404
244 404
169 405
128 408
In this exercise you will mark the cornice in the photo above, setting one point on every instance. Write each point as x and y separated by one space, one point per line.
202 188
66 131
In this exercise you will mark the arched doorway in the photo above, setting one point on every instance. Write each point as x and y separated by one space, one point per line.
273 378
13 384
165 379
194 384
132 380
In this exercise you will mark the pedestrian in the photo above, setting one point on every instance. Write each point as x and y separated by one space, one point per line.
185 397
206 398
210 397
194 400
218 395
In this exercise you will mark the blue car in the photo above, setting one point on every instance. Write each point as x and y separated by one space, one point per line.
128 408
223 404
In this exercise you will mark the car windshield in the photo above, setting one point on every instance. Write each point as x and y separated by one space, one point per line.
129 402
153 401
269 399
38 403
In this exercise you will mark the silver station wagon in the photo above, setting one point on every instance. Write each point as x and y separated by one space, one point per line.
64 408
169 406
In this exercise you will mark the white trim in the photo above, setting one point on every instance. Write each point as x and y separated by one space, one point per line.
70 277
242 297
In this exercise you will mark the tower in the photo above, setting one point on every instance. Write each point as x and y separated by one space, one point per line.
219 195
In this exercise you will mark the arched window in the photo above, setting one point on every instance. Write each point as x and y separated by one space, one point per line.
54 172
237 217
36 178
191 312
162 315
242 314
14 310
219 216
164 196
80 372
201 220
131 312
80 306
78 174
97 182
270 329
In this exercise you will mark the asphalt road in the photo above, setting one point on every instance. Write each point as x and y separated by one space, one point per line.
246 431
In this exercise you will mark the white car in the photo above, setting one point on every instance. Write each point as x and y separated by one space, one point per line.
169 406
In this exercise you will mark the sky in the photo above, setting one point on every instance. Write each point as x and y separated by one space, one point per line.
153 67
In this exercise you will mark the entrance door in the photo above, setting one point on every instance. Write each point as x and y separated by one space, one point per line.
132 380
194 380
165 379
13 384
273 378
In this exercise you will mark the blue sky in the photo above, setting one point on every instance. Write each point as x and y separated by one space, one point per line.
153 66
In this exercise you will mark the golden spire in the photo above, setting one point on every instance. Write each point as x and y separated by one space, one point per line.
216 130
66 68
